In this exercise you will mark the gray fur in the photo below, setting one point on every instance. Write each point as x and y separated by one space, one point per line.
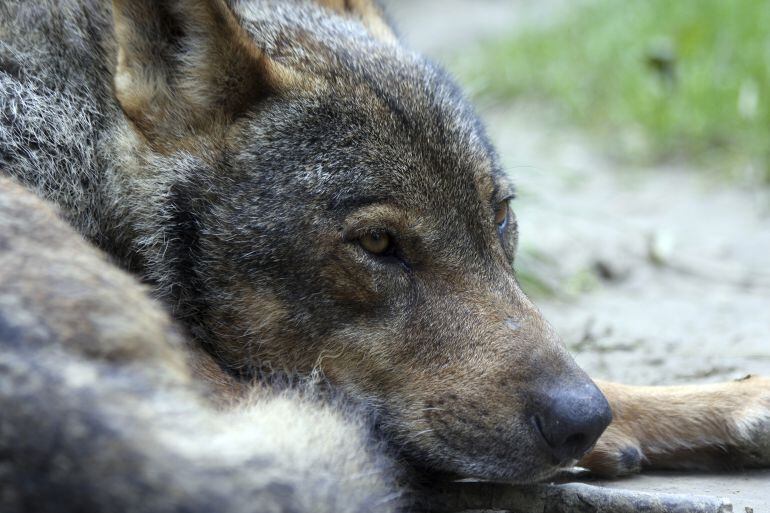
80 432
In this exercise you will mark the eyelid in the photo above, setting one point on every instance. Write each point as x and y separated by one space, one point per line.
377 217
355 232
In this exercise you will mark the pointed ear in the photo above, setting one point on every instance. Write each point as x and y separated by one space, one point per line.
367 12
185 65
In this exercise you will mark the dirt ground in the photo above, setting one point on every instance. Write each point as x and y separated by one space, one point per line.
669 267
664 271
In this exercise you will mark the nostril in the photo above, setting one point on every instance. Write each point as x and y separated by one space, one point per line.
539 426
576 443
578 439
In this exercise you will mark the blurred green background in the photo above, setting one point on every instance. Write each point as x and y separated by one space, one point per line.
668 80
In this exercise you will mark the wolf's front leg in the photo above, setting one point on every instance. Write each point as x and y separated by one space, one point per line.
725 425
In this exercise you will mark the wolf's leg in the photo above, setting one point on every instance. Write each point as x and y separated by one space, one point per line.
99 411
694 427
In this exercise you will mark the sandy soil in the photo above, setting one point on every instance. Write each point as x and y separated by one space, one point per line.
664 271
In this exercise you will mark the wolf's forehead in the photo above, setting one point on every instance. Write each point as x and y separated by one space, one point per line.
427 145
423 187
419 131
421 110
340 52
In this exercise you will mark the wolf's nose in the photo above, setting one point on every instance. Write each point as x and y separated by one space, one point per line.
573 421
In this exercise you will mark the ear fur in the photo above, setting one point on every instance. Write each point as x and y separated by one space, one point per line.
367 12
186 65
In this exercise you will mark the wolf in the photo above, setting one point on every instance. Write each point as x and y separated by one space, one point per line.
325 219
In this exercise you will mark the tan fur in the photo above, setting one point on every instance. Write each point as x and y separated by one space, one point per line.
222 73
223 389
684 427
366 11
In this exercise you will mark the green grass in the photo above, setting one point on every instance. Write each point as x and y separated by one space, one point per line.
686 78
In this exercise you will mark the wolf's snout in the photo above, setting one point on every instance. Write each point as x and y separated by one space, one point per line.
572 420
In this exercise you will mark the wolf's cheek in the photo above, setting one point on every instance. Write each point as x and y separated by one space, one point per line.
354 278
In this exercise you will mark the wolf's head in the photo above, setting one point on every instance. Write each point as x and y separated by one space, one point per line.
330 201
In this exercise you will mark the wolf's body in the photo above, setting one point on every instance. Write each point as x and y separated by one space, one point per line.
307 197
101 411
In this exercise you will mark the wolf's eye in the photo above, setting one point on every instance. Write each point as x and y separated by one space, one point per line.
376 243
501 214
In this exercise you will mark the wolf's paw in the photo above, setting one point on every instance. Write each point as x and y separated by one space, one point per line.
614 455
752 421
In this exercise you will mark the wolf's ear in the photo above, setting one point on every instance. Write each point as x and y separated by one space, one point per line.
186 65
367 12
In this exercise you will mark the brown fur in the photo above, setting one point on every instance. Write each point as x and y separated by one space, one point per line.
368 12
685 427
217 84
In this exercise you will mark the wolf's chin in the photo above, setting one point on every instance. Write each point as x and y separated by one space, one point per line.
519 476
502 471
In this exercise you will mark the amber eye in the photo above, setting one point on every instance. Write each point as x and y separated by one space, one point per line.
501 213
376 243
